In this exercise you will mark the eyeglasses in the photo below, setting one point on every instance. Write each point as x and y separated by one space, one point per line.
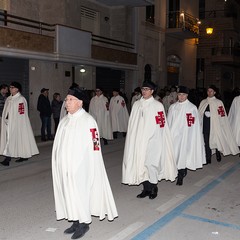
11 87
70 99
145 89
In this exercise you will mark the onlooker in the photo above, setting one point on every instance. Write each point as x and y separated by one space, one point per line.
137 95
3 97
99 109
234 118
183 120
218 135
56 108
80 182
118 113
44 107
148 154
17 139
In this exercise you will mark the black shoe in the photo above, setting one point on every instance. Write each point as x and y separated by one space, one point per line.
218 156
21 159
80 231
105 141
43 139
153 193
209 161
115 135
143 194
179 181
124 134
50 138
6 161
73 228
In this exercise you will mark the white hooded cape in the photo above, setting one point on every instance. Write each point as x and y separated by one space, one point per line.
17 139
148 153
99 109
234 118
80 182
221 135
183 121
119 114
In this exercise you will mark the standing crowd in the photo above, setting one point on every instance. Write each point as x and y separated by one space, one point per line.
165 136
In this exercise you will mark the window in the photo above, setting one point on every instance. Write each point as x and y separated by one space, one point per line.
150 13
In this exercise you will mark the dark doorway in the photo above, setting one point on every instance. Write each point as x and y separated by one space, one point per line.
14 69
108 79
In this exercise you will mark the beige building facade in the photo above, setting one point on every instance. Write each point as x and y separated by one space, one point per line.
119 44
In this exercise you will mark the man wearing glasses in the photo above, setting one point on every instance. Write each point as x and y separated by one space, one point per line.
148 154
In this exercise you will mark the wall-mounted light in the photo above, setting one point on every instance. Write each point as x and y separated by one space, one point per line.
82 70
33 68
209 30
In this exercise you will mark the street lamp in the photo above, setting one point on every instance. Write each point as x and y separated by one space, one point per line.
209 30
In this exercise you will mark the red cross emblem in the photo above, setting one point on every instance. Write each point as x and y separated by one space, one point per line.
21 108
123 103
107 106
221 111
190 119
95 139
160 119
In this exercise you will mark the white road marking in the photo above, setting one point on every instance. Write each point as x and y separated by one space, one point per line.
127 231
203 181
172 202
51 229
226 166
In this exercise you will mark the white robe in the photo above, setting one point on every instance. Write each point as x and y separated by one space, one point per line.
221 135
234 118
99 109
183 121
17 139
119 114
80 182
148 153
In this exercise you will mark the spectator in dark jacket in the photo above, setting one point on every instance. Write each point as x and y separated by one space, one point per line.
44 107
56 108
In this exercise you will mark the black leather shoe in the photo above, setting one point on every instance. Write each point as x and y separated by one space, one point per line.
208 161
105 141
218 156
143 194
80 231
153 193
179 181
21 159
6 161
72 229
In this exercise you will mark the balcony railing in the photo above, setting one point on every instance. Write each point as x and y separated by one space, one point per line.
182 20
28 25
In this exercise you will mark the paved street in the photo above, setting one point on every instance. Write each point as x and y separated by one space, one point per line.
206 207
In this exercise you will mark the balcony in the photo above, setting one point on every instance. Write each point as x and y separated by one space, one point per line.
21 37
182 25
132 3
226 56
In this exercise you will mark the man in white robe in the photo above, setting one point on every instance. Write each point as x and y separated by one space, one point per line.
234 118
184 124
80 183
17 139
218 135
118 113
148 154
99 109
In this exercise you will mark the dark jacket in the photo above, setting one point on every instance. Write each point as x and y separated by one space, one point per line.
56 108
43 106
